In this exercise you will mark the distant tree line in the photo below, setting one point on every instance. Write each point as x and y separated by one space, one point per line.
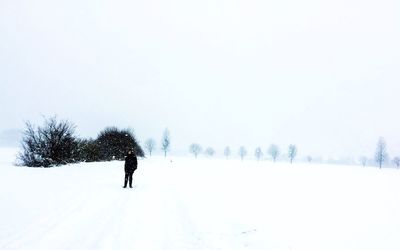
381 156
55 143
273 151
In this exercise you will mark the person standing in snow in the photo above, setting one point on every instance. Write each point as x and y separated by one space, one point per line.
130 167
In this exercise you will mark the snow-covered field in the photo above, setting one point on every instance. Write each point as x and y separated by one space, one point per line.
184 204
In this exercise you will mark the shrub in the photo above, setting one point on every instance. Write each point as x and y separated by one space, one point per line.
52 144
88 150
113 144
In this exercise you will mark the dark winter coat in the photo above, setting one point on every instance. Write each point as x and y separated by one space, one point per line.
130 163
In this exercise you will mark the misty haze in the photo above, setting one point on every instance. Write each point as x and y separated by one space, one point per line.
237 124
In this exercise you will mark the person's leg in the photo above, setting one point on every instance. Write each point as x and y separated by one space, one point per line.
130 180
126 179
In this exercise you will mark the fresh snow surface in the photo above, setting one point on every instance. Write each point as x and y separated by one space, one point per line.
184 204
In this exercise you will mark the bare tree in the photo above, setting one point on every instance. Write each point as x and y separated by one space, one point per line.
273 151
195 149
363 160
150 145
210 151
258 153
166 142
396 160
292 152
381 154
242 152
227 151
52 144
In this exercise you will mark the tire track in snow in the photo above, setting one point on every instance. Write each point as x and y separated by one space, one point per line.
39 229
100 227
159 219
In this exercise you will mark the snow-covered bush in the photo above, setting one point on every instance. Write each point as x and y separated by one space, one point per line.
88 150
113 144
52 144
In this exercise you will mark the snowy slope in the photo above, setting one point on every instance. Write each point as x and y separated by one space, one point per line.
183 204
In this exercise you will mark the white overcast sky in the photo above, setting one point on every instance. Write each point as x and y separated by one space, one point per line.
321 74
